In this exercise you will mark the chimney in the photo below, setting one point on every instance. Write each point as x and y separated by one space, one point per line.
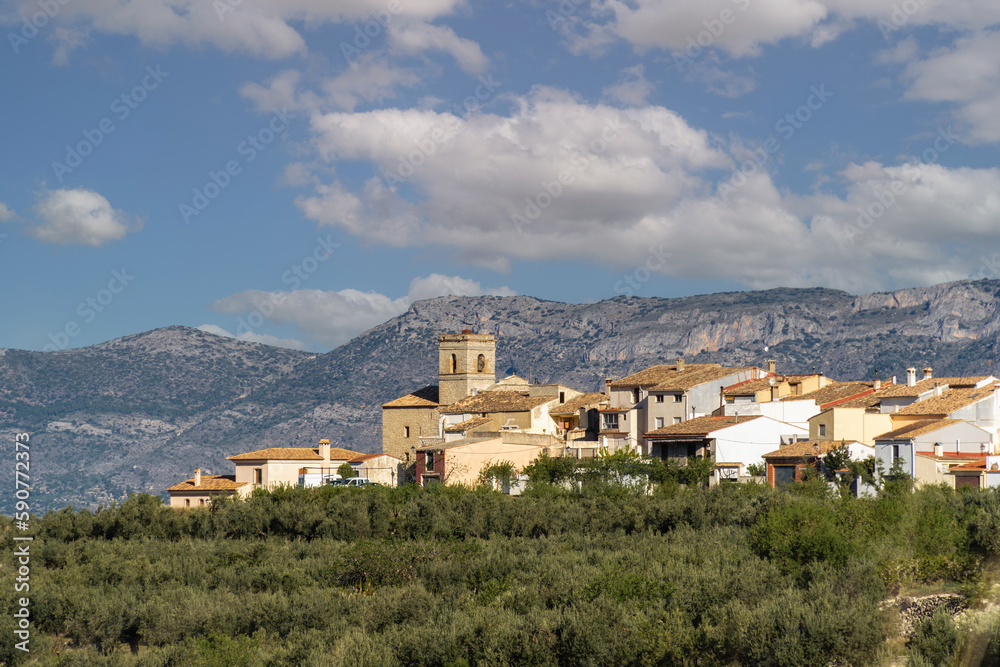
928 373
938 449
680 364
937 388
324 450
877 385
607 386
911 376
771 365
197 477
893 380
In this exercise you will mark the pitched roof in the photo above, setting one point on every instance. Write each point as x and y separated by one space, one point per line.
210 483
751 387
833 393
572 406
280 454
457 443
421 398
916 428
368 457
905 391
692 377
948 402
468 424
700 426
653 375
978 464
497 401
806 448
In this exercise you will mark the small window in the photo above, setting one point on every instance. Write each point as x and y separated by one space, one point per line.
201 501
481 364
187 502
822 430
659 422
429 461
677 398
610 421
659 398
677 420
258 476
406 431
562 396
454 364
895 453
635 396
730 400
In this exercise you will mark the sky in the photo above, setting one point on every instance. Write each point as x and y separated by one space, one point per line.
296 172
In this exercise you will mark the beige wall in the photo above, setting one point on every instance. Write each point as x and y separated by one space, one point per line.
422 422
850 424
383 469
202 499
278 473
462 464
454 386
926 472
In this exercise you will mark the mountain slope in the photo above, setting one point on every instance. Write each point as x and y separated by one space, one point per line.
141 412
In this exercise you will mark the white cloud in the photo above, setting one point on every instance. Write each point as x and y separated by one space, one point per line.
6 214
632 88
967 75
79 217
253 337
416 38
491 190
262 28
332 318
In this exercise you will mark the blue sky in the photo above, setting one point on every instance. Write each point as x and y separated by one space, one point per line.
297 172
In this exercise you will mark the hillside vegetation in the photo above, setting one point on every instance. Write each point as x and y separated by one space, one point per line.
600 575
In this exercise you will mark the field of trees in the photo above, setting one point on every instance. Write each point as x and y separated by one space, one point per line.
596 572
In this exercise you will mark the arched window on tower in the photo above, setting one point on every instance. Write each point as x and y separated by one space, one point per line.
454 364
481 364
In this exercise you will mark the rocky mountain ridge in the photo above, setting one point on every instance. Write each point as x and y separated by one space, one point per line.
141 412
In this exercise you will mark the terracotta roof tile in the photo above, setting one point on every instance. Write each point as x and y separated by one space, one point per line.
496 401
368 457
468 424
278 453
692 377
806 448
573 406
700 426
653 375
210 483
948 402
421 398
832 393
751 387
916 428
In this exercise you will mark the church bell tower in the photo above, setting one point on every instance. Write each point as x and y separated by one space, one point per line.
466 362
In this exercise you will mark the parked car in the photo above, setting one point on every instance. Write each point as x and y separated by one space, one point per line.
357 481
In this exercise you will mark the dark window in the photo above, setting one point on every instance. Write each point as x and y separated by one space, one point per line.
258 476
611 421
454 364
677 398
784 475
822 429
481 364
635 396
562 396
659 398
431 479
187 502
406 431
895 453
429 461
201 501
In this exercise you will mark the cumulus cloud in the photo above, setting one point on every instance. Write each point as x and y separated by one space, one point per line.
632 89
79 217
560 179
262 28
331 318
6 214
967 75
415 38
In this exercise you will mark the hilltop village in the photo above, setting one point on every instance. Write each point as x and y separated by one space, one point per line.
751 422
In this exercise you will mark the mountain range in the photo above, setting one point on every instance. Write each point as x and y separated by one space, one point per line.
140 413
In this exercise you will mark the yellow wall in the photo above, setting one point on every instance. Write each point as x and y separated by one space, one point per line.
850 424
462 464
422 422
